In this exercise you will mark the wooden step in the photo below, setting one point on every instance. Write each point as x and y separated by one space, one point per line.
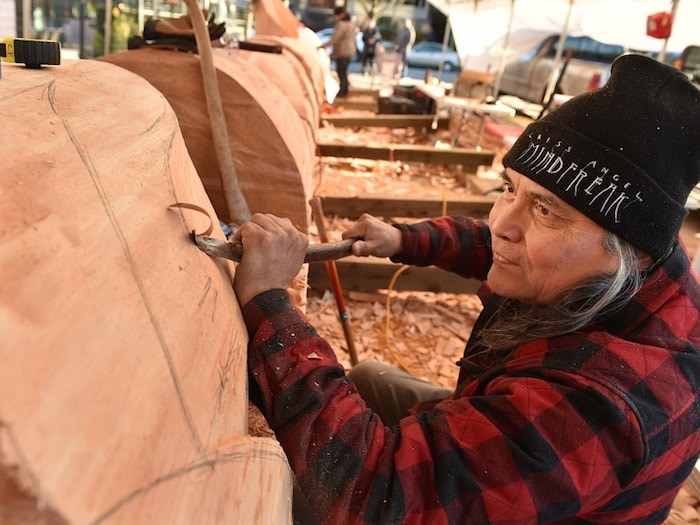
469 158
356 103
363 92
366 274
387 121
382 205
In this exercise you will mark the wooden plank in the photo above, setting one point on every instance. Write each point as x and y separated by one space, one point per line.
469 158
382 205
366 274
473 76
484 185
364 92
250 475
387 121
359 104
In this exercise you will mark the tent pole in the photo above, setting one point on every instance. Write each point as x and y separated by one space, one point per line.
662 53
445 41
557 57
107 49
471 35
504 53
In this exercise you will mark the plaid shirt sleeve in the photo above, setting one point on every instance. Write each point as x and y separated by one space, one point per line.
456 244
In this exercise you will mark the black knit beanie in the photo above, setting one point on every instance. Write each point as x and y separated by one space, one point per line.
626 155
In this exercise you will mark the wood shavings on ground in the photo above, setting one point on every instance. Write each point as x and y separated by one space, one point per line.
354 177
420 337
350 177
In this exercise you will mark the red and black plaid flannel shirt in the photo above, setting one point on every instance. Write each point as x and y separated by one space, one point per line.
597 426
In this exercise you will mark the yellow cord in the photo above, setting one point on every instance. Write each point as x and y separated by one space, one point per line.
387 326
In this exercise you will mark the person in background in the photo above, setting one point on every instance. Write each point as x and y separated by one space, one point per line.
344 48
576 399
371 37
405 39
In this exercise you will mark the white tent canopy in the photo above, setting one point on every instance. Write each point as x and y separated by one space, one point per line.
623 22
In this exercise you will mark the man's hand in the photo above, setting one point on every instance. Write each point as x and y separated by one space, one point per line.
376 237
273 252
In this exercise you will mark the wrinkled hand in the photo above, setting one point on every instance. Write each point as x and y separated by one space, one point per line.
273 253
376 237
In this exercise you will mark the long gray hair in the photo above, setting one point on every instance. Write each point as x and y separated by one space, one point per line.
518 323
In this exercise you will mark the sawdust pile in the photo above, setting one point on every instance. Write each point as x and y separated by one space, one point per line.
425 333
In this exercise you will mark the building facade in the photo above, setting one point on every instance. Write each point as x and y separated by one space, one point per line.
90 28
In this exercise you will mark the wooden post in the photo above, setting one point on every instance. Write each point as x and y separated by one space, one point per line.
235 201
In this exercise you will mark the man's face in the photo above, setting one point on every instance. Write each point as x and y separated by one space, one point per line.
541 245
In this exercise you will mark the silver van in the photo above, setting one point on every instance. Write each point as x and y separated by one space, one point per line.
689 63
527 77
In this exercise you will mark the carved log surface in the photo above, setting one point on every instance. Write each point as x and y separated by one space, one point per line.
274 18
304 52
122 385
271 149
296 72
275 23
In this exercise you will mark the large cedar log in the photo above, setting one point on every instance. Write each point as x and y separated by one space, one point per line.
272 17
276 24
297 72
123 382
272 152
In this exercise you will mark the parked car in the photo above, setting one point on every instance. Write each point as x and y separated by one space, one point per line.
527 77
325 34
429 54
689 63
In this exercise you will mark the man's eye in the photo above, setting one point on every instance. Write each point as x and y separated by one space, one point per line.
544 211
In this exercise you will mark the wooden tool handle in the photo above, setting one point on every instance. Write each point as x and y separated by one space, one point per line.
328 251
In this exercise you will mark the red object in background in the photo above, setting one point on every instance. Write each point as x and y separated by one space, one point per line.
659 25
594 82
